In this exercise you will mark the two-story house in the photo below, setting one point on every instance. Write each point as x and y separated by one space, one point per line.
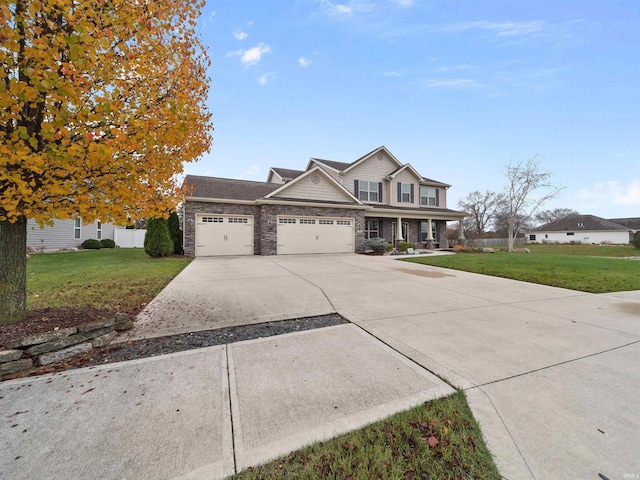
330 207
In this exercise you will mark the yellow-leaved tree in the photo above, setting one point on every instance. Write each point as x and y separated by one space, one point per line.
101 102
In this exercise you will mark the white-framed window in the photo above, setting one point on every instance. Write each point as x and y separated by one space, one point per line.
570 233
77 227
343 222
238 220
368 191
405 192
428 196
211 219
325 222
371 228
99 230
307 221
286 220
532 238
424 230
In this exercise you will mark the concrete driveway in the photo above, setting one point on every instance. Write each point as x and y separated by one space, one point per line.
552 375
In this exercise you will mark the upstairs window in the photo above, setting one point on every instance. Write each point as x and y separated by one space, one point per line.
429 196
77 225
405 192
368 191
99 230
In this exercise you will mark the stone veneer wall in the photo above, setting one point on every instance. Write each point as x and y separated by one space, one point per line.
265 222
192 207
269 222
40 349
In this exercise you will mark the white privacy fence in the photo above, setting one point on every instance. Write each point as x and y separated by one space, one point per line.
129 238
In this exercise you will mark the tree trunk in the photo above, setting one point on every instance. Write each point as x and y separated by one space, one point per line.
510 235
13 271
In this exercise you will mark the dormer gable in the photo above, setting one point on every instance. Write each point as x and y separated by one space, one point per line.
317 185
408 168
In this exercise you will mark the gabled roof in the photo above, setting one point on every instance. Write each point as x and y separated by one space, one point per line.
581 222
633 223
403 168
315 170
286 173
371 154
435 182
338 166
227 188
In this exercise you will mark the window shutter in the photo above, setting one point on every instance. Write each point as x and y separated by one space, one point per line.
399 192
380 231
380 192
356 189
437 197
412 193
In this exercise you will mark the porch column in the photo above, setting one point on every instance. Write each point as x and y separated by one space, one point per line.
429 232
399 229
460 230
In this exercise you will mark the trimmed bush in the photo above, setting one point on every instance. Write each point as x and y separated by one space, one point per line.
378 245
176 233
404 246
108 243
636 240
91 244
157 240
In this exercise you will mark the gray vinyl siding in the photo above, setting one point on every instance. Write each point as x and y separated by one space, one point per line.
405 177
60 235
330 171
374 169
305 189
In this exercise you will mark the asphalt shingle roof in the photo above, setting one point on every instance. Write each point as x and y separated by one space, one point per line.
581 222
632 223
214 187
340 166
287 173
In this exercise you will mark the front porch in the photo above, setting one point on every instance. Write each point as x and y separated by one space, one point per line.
425 233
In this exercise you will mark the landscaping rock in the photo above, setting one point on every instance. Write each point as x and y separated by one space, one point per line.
13 367
45 337
9 355
121 318
68 341
98 324
488 250
103 340
128 325
47 358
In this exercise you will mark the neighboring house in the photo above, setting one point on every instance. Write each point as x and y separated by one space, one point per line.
331 207
65 234
582 229
632 223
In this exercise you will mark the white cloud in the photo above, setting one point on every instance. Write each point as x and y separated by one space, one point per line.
251 56
612 192
450 83
502 29
304 62
252 171
212 14
403 3
266 77
346 9
240 35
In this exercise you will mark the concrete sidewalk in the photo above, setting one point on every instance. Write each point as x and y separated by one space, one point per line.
180 415
552 375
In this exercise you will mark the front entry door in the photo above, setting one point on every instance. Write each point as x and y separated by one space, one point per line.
405 229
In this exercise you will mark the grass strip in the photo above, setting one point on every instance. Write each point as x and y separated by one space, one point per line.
439 439
119 278
575 272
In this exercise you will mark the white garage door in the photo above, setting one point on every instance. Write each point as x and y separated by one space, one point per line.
224 235
315 235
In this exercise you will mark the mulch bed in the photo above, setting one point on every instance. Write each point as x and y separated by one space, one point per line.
48 319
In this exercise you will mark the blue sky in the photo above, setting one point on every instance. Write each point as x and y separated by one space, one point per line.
456 88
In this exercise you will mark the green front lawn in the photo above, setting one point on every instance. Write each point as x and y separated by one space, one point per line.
120 278
573 268
438 440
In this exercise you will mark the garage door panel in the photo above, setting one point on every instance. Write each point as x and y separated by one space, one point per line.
218 235
298 235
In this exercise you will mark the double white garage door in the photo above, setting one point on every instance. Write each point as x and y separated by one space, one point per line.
233 235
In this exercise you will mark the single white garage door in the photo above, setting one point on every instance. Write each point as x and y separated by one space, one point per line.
315 235
223 235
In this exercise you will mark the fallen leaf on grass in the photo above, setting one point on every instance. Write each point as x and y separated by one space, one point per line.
433 442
